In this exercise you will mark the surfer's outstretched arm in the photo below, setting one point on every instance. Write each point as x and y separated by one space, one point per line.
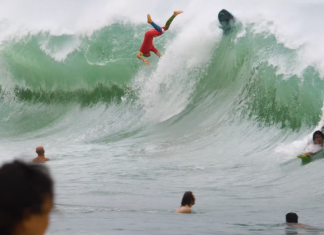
139 55
158 54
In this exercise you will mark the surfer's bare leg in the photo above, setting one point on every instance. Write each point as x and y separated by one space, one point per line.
167 24
150 21
175 13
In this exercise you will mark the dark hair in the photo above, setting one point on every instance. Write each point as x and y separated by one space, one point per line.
23 188
187 199
318 133
292 217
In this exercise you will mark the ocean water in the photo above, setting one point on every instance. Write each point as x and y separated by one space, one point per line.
223 116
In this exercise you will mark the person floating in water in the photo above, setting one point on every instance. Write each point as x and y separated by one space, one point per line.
147 45
311 149
292 222
41 155
188 200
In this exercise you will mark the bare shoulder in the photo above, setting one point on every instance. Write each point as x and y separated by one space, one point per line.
37 160
305 226
299 225
183 210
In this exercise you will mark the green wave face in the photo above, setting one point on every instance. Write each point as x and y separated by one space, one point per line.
248 78
71 61
243 75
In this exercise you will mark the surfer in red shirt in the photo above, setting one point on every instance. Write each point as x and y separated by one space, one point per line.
147 45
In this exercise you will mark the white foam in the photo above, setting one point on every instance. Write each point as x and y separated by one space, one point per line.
166 91
296 24
60 51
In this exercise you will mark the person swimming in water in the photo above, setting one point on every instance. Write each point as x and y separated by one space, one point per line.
147 45
40 155
311 149
188 200
292 222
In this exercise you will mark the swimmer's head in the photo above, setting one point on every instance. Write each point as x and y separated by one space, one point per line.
147 54
318 137
28 199
40 150
188 199
291 218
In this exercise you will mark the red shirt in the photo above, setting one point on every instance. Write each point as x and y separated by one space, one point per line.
147 45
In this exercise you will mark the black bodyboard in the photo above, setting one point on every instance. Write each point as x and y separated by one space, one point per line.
226 20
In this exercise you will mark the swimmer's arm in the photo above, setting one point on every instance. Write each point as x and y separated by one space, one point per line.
141 58
309 154
312 153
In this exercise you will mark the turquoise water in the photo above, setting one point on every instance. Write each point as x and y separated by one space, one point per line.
221 115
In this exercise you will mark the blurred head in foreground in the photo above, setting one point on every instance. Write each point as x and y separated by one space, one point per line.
26 198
